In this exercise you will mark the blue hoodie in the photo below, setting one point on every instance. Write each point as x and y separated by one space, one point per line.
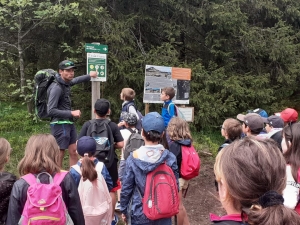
138 164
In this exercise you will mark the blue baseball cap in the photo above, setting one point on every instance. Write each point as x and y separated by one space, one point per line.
153 122
86 144
260 112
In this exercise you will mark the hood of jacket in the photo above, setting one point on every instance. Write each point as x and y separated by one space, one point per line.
186 142
148 157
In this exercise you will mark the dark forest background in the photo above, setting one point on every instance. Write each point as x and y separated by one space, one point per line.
244 54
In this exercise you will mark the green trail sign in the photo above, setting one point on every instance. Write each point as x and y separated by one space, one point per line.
96 48
97 62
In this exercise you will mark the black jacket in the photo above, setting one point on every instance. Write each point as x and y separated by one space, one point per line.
59 102
175 148
7 181
70 196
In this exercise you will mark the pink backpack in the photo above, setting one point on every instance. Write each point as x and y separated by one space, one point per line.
190 164
95 198
44 204
161 194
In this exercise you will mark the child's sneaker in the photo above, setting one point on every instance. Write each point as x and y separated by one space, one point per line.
115 220
118 206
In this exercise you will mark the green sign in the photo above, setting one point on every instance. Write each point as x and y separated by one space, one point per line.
97 48
97 62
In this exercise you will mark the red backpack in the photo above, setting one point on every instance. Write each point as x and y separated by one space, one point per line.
190 164
161 194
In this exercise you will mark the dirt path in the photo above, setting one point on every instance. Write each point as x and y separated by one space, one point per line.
201 198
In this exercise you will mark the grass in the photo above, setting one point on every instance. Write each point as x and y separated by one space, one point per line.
16 125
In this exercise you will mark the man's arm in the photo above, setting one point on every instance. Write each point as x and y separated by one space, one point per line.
83 78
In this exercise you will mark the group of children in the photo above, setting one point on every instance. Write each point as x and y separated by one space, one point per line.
41 159
262 154
257 182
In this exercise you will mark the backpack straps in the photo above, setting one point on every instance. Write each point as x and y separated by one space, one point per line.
77 168
58 178
29 178
99 167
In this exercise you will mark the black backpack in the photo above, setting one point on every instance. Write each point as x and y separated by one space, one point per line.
134 142
43 79
100 130
139 122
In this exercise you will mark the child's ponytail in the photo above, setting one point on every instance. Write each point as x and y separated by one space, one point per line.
88 170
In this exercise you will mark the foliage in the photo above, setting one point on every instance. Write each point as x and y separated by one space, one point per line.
243 54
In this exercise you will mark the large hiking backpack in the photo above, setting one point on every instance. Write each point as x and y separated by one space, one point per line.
101 132
95 198
44 204
161 194
178 113
135 141
139 122
190 163
43 79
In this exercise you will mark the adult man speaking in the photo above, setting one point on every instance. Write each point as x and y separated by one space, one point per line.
60 111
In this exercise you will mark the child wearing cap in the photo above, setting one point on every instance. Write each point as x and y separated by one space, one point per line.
274 125
102 110
86 148
142 161
130 121
289 115
252 125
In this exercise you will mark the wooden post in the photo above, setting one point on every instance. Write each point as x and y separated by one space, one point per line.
95 95
147 106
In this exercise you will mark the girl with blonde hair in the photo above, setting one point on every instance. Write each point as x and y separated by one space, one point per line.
251 178
42 155
7 180
180 135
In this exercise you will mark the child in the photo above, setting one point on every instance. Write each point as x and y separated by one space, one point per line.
101 110
87 145
130 121
231 130
86 148
142 161
42 155
251 177
7 180
128 105
291 152
179 133
168 110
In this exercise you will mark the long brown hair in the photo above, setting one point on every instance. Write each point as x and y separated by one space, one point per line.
41 154
178 129
5 151
291 132
249 169
88 170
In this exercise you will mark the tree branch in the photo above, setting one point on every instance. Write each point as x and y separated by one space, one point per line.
6 43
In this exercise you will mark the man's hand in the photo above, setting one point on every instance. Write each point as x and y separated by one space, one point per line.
76 113
93 74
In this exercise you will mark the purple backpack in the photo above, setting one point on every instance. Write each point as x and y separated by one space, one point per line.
44 204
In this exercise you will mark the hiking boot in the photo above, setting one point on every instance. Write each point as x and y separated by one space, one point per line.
118 206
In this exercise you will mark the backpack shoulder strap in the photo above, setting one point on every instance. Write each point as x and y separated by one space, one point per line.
171 103
99 166
29 178
58 178
77 168
132 131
